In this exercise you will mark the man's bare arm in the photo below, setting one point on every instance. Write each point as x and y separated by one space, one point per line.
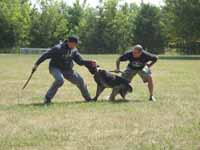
117 65
152 62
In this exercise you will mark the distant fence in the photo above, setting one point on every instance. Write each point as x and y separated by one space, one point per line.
42 50
33 50
180 57
190 48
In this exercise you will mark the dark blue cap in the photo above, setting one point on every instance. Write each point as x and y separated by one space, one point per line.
74 39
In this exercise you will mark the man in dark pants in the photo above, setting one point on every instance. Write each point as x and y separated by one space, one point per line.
61 66
140 62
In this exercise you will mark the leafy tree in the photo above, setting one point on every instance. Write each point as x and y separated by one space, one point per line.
123 25
89 36
148 31
111 27
107 29
74 15
14 23
97 32
48 25
185 20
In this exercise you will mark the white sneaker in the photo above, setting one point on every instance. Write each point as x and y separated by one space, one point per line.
152 98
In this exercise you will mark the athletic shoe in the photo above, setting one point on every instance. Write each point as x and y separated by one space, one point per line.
47 101
88 99
152 98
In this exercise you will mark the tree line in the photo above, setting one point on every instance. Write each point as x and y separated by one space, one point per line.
111 27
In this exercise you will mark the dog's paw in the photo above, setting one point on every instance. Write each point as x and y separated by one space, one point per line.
94 99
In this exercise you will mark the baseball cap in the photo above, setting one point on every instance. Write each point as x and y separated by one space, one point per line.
74 38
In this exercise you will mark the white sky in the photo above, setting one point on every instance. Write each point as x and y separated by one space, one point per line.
94 3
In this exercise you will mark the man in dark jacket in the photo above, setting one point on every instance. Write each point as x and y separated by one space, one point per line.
140 62
61 67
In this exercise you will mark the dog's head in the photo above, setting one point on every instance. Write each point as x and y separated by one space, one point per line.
92 66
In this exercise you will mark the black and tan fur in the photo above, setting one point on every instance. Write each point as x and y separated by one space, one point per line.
105 79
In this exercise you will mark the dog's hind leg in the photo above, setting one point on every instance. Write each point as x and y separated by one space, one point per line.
114 93
100 89
123 92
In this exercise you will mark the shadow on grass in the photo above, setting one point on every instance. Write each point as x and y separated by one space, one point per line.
125 101
69 103
119 101
52 104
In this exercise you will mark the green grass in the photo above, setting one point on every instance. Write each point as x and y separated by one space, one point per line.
171 123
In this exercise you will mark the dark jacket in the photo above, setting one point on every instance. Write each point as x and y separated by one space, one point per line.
62 57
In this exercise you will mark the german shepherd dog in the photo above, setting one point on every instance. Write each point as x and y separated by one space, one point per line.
105 79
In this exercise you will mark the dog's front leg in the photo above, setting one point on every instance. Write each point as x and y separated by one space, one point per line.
100 89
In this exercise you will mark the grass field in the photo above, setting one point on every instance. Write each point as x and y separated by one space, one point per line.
171 123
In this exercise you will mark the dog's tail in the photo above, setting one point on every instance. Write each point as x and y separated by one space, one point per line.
130 89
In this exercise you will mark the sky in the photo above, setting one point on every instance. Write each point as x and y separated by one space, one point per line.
94 3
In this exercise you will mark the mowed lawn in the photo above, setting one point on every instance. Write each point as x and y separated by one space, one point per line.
173 122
